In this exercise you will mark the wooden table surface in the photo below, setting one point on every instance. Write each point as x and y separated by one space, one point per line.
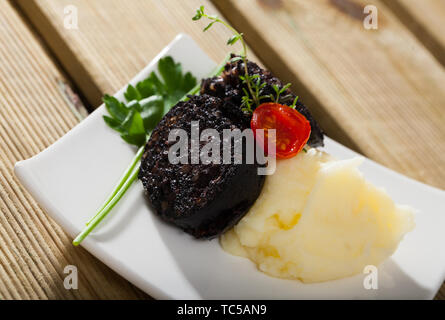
379 92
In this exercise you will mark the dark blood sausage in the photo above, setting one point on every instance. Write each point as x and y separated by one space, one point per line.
204 200
228 87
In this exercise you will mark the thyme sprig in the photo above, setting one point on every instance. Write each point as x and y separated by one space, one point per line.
294 104
257 86
278 92
232 40
253 94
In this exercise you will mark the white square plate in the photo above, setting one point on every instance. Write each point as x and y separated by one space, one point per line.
71 179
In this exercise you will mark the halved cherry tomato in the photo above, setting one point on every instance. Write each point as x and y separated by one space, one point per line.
292 128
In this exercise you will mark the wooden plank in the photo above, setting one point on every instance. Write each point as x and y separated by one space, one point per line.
116 39
34 113
424 19
381 87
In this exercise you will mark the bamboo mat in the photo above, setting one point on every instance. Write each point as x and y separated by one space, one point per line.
34 114
379 92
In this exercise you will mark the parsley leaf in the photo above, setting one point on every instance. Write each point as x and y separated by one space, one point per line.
148 101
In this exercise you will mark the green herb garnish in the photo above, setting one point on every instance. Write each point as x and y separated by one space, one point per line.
252 96
146 104
279 91
250 81
247 100
294 103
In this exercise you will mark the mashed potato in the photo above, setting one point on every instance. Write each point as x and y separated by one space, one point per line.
318 219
